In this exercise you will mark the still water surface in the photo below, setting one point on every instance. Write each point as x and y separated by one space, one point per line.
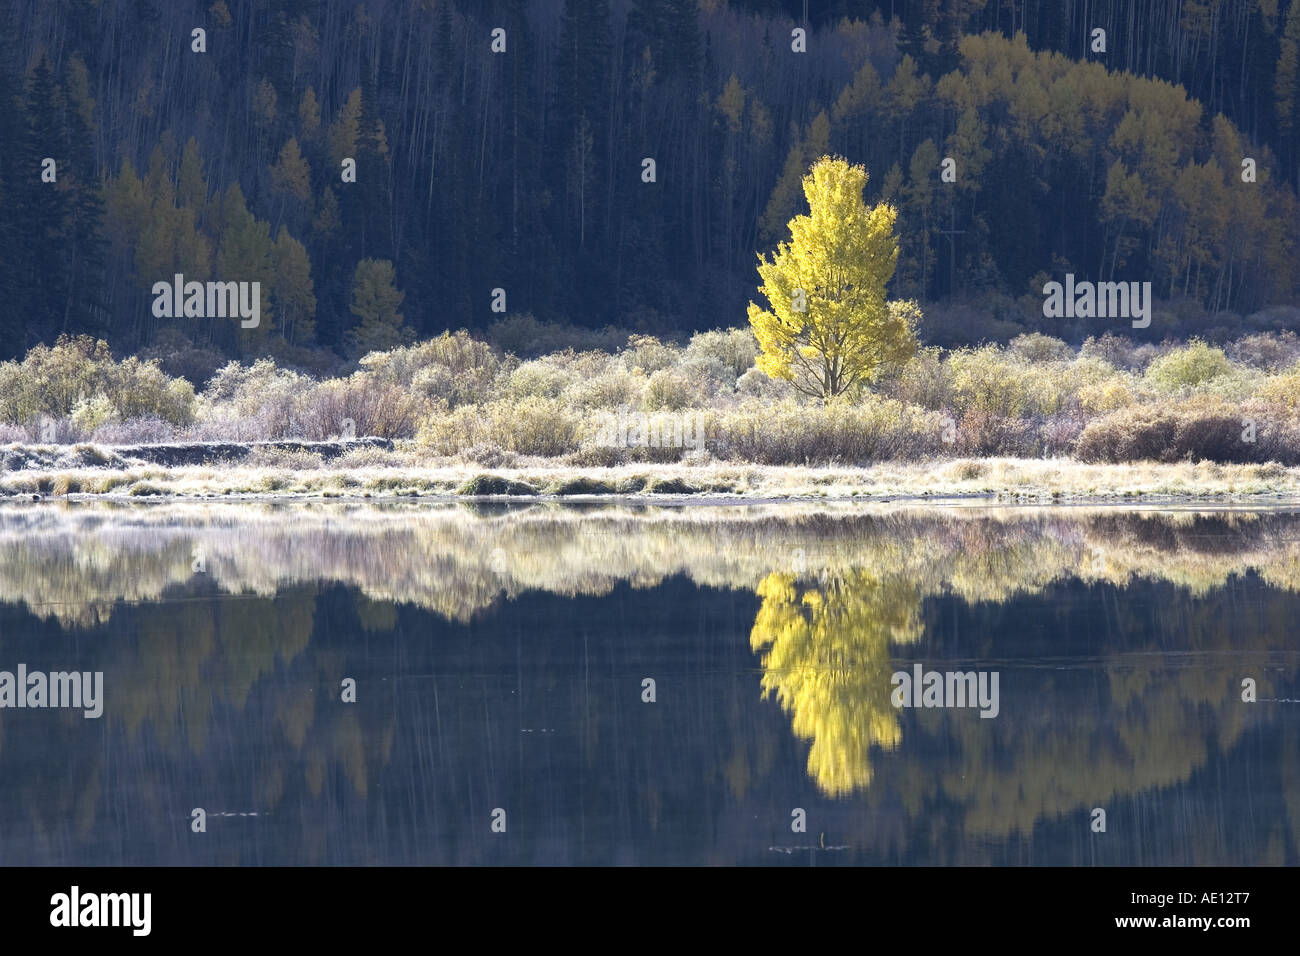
501 659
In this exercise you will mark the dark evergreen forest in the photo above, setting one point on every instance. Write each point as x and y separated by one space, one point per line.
525 170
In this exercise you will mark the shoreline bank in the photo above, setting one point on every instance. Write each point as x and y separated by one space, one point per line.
369 472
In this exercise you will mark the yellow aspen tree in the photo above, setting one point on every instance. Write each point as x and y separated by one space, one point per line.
829 328
291 289
345 129
785 196
375 302
905 92
291 173
191 185
920 204
309 115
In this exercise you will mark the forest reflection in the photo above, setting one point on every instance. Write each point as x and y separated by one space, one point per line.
224 629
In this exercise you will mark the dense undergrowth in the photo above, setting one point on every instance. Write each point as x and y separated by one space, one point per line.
1112 400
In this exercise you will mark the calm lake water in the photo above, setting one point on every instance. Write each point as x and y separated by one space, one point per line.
502 660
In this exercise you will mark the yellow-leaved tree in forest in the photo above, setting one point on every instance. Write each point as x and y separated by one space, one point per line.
830 329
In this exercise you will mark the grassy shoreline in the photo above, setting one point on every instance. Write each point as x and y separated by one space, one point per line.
395 475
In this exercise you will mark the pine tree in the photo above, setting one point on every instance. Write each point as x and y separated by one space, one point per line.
1286 82
344 140
86 309
374 177
13 243
43 208
581 107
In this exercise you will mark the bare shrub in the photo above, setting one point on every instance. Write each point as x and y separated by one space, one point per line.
52 380
875 430
377 408
1269 351
137 431
1201 430
733 349
648 354
1034 347
983 432
532 426
454 367
489 455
